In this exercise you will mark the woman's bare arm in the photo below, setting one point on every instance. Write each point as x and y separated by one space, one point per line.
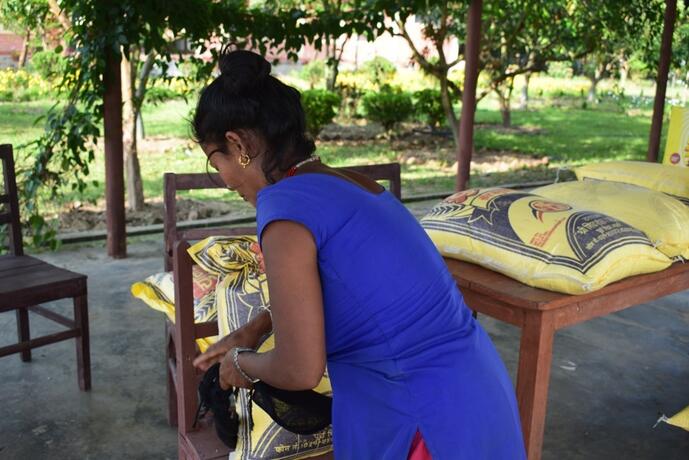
298 360
245 336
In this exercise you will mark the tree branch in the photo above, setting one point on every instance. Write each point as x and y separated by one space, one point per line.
143 79
60 15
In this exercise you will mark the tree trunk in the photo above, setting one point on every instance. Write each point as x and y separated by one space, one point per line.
333 64
23 56
135 189
505 110
64 21
449 111
597 77
140 92
624 72
524 98
140 128
592 90
333 71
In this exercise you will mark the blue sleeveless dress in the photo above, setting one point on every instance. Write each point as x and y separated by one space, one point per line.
403 351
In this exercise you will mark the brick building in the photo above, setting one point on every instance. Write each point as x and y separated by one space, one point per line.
10 48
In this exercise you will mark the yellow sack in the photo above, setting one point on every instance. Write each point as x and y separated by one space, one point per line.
268 440
661 178
158 292
242 290
677 145
241 294
662 218
539 242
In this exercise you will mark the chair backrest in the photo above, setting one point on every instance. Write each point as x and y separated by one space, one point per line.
9 203
173 182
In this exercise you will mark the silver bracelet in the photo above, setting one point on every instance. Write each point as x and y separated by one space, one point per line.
235 361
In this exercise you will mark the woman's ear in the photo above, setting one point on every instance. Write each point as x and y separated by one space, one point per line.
235 142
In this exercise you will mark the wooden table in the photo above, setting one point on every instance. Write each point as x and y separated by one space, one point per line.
539 313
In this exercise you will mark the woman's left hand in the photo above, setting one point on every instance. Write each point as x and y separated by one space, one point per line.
229 376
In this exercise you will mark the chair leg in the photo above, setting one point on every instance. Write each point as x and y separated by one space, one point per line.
171 390
23 332
81 320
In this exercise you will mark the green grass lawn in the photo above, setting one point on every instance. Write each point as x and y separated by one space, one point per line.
570 135
561 130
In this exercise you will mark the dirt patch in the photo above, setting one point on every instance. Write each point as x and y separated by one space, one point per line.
84 217
492 161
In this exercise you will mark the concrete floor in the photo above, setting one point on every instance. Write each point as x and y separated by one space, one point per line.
610 380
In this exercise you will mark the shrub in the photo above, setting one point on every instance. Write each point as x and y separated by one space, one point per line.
428 107
20 85
165 89
313 73
388 106
158 94
48 64
380 70
320 107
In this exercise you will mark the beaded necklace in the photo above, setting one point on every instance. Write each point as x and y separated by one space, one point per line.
293 170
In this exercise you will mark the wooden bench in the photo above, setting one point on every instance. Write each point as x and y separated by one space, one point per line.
26 282
539 313
182 382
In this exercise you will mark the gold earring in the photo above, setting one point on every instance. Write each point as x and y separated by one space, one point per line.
244 160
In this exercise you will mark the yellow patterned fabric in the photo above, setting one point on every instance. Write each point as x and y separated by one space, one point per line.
158 292
241 294
242 291
542 243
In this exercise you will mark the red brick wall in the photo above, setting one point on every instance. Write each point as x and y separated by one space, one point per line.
10 44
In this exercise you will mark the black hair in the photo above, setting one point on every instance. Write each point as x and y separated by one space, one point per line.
245 96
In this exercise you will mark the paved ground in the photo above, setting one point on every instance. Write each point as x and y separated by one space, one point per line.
611 377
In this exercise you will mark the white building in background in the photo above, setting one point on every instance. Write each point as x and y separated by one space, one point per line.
358 49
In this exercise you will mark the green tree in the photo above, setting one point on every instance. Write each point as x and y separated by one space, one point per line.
61 156
611 35
333 23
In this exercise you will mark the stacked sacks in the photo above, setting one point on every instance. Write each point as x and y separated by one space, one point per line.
158 292
662 218
542 243
241 294
668 179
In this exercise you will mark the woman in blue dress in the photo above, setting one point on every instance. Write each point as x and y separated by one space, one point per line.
355 283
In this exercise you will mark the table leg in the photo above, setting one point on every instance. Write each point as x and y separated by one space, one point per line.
81 320
535 357
23 331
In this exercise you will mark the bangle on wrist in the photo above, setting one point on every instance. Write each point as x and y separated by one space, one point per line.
235 361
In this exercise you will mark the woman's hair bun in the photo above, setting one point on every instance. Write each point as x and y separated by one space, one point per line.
243 70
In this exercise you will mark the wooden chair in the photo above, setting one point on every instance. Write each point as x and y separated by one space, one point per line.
26 282
182 382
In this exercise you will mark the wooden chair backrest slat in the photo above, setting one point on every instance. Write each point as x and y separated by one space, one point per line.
390 172
196 181
9 197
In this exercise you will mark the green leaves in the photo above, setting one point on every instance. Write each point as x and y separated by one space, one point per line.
320 107
388 106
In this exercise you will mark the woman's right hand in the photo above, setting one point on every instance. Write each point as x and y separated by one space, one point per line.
246 336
